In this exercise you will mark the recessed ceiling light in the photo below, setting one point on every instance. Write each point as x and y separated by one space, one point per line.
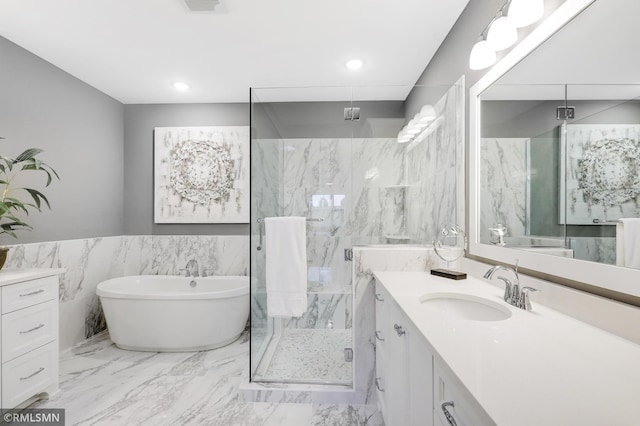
180 86
354 64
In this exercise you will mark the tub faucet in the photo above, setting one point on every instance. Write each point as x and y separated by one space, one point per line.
192 268
512 293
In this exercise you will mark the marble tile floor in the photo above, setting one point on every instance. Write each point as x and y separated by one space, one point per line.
103 385
310 355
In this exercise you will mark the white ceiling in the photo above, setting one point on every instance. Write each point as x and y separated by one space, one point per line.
133 50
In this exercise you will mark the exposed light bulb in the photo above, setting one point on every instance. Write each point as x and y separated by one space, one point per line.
354 64
525 12
180 86
427 114
482 56
502 34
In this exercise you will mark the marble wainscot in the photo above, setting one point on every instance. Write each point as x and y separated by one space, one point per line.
90 261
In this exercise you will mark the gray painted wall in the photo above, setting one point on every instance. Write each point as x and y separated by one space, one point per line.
140 121
81 130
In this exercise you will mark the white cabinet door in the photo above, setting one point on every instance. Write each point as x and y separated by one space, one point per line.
450 395
398 368
420 380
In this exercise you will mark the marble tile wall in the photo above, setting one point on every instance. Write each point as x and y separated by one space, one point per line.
503 186
595 249
91 261
435 170
343 182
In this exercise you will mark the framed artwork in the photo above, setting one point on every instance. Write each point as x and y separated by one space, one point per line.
599 173
201 174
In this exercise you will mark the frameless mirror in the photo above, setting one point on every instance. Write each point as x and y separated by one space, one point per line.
555 149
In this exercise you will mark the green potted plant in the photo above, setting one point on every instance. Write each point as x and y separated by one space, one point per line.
12 203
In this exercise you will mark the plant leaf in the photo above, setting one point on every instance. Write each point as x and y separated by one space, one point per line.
27 155
37 196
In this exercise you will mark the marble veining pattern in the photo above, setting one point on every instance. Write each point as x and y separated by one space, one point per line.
103 385
90 261
435 170
503 186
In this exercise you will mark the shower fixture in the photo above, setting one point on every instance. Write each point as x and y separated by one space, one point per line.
202 5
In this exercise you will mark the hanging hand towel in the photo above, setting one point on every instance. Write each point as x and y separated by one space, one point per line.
286 266
631 245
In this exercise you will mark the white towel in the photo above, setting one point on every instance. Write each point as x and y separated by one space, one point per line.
631 242
286 266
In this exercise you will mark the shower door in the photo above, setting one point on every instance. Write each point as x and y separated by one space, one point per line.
301 165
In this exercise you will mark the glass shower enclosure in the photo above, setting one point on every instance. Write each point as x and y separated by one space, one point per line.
332 156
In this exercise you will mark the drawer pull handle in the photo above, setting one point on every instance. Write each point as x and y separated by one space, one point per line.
32 293
40 370
447 414
398 329
378 336
37 327
378 384
379 298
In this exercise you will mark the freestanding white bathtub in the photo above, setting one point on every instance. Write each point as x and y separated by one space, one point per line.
174 314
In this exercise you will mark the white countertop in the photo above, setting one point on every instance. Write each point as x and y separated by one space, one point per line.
538 368
12 276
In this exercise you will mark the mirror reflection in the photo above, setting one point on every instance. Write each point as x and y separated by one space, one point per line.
560 143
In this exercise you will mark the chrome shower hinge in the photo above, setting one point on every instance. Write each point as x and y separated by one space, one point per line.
348 354
348 255
565 113
352 114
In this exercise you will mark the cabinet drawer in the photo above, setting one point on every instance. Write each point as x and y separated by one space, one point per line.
29 375
448 390
29 328
28 293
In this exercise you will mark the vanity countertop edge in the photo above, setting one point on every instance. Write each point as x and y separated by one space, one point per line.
13 276
539 367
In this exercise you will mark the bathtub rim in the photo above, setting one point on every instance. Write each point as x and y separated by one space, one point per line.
103 290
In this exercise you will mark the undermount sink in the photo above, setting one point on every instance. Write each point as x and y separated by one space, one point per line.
466 306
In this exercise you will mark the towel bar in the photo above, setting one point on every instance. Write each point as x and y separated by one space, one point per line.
309 219
260 220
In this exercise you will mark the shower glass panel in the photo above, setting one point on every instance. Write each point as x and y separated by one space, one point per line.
332 155
301 166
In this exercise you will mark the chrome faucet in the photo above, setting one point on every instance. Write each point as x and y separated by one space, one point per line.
500 232
512 293
192 268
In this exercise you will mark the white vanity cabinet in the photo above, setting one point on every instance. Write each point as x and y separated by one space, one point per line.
404 377
450 397
29 336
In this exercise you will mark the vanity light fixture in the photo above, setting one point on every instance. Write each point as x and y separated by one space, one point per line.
525 12
354 64
417 125
178 85
482 55
502 32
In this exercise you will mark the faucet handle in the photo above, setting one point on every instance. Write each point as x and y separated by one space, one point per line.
508 288
525 303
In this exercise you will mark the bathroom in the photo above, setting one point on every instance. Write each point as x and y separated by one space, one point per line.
334 145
